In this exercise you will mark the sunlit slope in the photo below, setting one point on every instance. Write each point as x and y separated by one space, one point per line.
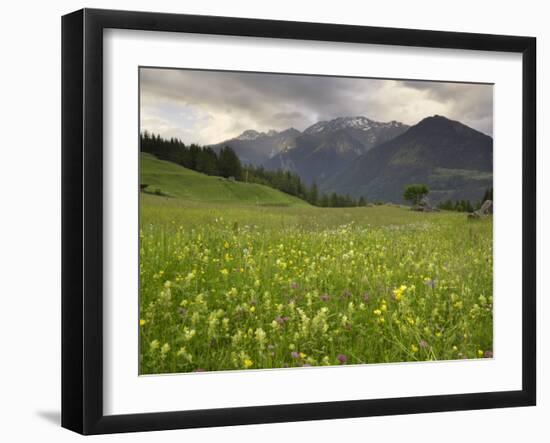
177 181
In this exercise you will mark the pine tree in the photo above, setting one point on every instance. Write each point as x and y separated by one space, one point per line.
207 161
229 164
313 196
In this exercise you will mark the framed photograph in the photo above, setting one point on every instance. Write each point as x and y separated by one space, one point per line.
269 221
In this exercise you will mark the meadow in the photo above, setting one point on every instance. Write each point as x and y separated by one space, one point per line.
240 276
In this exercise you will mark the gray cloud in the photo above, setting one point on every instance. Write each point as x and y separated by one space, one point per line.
211 106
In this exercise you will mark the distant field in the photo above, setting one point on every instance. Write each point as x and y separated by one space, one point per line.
241 276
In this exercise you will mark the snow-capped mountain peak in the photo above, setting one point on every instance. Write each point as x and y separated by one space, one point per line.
359 122
315 128
249 134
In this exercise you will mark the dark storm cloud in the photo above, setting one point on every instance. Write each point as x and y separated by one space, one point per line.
474 102
210 106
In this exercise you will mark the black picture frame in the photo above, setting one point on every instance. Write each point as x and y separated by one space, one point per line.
82 218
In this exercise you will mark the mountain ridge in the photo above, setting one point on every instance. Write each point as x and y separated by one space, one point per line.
255 147
325 147
363 157
452 159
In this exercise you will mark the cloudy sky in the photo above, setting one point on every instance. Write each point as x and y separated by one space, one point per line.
211 106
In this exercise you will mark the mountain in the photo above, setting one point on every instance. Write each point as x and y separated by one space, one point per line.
174 180
368 131
255 147
327 147
452 159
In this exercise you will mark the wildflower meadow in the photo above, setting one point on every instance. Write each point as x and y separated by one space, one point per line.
241 284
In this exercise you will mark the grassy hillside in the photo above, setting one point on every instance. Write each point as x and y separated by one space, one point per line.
176 181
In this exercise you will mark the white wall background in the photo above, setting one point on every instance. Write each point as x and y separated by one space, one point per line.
30 219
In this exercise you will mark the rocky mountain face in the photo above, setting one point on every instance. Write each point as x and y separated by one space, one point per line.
255 147
325 148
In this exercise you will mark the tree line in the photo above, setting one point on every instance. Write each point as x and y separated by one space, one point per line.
225 163
201 159
466 205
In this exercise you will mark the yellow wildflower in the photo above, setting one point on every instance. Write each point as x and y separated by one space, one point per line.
398 292
260 335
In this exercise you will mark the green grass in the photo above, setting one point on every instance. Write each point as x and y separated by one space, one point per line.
176 181
226 283
462 173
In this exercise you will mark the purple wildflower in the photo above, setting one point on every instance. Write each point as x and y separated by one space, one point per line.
342 358
325 297
295 354
488 354
346 293
281 320
423 344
